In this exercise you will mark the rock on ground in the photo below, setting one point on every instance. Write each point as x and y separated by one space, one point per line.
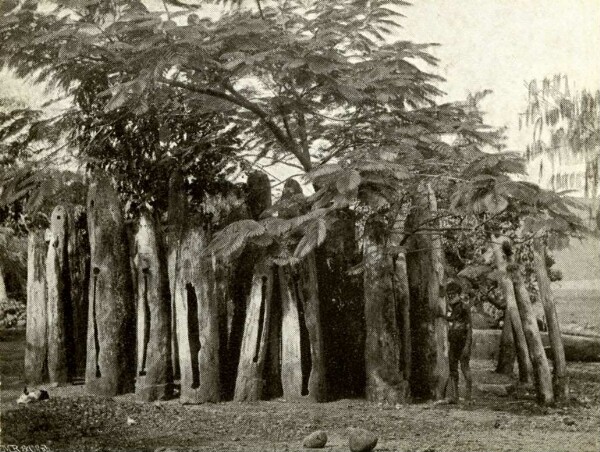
316 440
361 440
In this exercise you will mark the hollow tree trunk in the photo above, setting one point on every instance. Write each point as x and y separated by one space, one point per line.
384 381
36 350
110 362
561 379
60 312
154 367
507 352
506 285
302 360
539 361
79 267
249 384
197 321
430 367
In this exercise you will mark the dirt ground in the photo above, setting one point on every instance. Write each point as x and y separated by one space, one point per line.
70 420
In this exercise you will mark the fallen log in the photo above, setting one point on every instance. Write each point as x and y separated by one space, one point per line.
486 344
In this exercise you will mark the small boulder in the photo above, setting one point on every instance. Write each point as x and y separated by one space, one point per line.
361 440
316 440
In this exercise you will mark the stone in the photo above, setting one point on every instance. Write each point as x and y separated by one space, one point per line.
361 440
316 440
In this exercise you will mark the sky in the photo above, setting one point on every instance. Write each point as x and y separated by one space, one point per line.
491 44
502 44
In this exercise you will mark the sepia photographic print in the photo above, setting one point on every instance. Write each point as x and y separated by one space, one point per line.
292 225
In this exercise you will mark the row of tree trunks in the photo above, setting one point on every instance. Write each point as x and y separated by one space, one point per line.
508 290
154 366
561 382
36 349
110 364
430 367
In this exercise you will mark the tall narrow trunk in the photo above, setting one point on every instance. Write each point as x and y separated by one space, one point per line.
384 382
249 384
430 367
177 213
507 352
36 350
403 308
79 267
154 379
506 285
561 379
110 362
541 368
60 343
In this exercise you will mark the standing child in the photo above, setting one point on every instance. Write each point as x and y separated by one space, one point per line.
460 338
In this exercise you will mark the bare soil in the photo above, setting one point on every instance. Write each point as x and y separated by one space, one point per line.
70 420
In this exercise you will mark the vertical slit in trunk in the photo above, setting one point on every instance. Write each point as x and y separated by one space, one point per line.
95 324
193 333
146 336
261 318
305 356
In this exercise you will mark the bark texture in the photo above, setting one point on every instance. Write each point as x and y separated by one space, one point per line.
60 312
539 361
197 320
79 268
302 360
154 367
506 285
36 349
110 363
403 309
561 379
507 351
430 367
250 380
384 381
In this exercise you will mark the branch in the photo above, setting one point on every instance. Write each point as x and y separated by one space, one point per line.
241 101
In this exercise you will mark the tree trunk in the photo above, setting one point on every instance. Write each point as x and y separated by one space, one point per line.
60 312
561 379
403 309
506 284
541 368
384 382
36 350
507 352
154 367
110 363
79 267
197 311
249 384
302 361
430 367
177 213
